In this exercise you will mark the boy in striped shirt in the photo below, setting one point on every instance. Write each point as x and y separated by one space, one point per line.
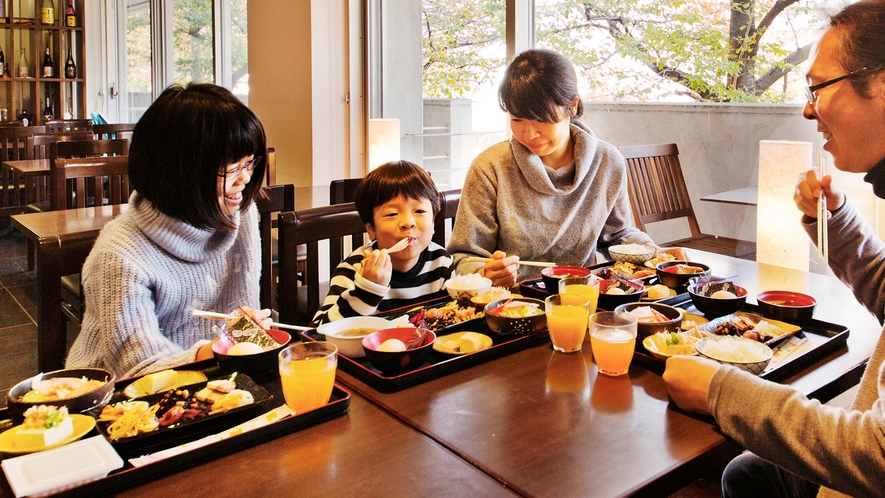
397 201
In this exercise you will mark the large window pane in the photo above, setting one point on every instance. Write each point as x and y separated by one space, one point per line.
193 41
464 55
139 78
239 50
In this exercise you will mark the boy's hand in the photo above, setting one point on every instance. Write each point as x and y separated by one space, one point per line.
377 266
501 270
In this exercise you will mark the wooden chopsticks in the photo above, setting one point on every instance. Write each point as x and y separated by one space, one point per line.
822 233
473 259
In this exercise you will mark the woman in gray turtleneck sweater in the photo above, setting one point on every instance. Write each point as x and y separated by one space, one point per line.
553 192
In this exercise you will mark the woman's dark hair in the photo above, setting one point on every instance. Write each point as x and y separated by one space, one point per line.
185 139
537 85
861 27
391 180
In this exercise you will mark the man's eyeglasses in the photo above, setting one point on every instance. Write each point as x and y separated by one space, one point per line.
811 90
235 170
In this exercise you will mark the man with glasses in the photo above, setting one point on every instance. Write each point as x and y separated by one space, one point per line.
800 447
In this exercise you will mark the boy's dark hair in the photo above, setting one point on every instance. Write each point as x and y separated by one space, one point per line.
537 85
181 145
391 180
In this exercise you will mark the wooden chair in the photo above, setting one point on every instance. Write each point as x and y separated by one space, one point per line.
85 192
109 176
270 172
272 200
299 302
69 125
116 130
445 219
342 192
657 192
13 147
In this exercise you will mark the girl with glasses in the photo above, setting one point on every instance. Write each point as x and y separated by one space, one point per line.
189 239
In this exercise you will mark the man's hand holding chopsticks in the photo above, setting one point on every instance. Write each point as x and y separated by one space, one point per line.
809 188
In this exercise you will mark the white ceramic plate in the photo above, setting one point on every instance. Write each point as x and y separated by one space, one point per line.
61 468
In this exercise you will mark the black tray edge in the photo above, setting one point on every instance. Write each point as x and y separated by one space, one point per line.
837 334
396 383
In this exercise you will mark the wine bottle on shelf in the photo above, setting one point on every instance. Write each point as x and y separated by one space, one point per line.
48 68
24 117
23 64
47 112
70 15
47 12
70 67
2 60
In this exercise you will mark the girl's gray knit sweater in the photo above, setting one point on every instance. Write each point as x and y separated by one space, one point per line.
145 274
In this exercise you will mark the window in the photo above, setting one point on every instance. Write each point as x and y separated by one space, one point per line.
159 43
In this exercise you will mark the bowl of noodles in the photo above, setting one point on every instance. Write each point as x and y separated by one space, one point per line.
78 389
520 316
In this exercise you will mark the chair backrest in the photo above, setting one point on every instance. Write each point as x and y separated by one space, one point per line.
14 139
38 144
69 125
108 181
448 208
116 130
309 227
656 186
341 191
89 148
272 200
270 171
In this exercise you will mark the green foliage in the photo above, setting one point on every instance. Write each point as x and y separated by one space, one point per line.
629 49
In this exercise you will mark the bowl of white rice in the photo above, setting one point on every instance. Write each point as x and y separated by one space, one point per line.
636 254
463 287
746 354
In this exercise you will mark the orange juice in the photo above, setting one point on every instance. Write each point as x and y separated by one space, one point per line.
613 349
307 373
567 326
307 383
589 291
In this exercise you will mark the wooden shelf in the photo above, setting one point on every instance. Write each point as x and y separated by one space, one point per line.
26 31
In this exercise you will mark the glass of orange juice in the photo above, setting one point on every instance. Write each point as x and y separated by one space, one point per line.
567 316
613 338
307 372
583 286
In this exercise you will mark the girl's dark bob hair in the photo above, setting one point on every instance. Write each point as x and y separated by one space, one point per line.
540 85
182 147
391 180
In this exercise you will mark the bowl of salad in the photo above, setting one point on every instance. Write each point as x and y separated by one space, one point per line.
520 316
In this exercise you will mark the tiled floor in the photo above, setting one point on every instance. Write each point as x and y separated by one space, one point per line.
18 333
18 312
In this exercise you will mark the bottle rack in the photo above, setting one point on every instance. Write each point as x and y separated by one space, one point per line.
22 28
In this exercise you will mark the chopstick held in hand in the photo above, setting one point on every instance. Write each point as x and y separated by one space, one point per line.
822 233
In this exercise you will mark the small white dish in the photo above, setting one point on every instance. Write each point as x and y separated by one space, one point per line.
61 468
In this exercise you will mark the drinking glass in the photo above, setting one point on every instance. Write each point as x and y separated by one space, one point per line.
613 338
567 316
583 286
307 372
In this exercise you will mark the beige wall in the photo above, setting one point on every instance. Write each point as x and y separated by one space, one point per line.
280 82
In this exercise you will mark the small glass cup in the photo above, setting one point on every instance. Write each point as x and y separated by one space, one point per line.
613 339
307 372
583 286
567 316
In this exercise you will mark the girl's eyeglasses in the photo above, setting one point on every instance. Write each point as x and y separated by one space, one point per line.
235 170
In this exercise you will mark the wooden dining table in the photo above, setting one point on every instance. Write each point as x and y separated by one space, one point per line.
62 240
537 422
